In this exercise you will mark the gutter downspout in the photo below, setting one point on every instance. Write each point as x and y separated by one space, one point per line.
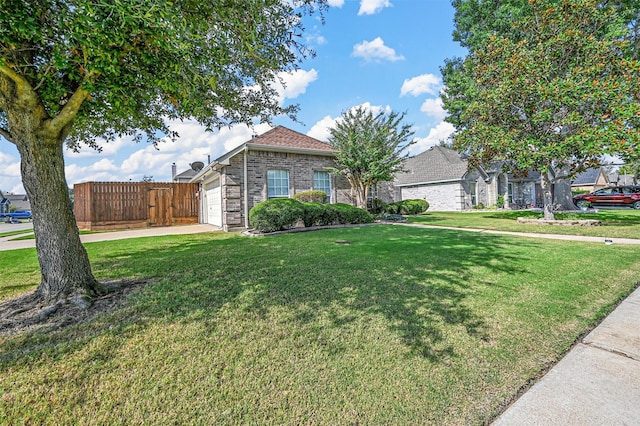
246 189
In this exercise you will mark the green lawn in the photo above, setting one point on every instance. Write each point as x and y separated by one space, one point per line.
401 326
622 223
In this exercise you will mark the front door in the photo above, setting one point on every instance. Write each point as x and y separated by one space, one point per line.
160 211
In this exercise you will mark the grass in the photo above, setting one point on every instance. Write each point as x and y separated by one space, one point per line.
615 223
401 326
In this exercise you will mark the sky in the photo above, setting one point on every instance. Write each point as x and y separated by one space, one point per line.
382 54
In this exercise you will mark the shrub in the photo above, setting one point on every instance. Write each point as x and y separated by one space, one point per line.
276 214
316 214
408 207
378 206
311 197
348 214
500 201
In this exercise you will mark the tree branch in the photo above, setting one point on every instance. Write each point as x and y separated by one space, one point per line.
71 108
7 135
23 89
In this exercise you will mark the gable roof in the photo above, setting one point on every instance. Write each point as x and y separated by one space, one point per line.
279 139
283 137
588 177
437 164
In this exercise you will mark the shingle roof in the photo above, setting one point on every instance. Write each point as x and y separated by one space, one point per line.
433 165
283 137
588 177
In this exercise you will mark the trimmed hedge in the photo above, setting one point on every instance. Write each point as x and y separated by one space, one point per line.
311 197
408 207
276 214
279 214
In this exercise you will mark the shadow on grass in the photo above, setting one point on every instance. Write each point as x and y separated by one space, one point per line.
417 280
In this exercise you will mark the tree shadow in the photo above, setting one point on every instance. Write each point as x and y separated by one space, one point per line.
417 279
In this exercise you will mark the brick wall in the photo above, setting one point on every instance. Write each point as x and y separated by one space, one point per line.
300 167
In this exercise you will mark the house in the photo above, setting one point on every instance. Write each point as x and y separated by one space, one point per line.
590 180
442 177
187 175
14 202
624 179
278 163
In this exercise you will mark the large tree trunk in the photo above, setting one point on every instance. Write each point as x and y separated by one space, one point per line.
66 271
547 193
562 198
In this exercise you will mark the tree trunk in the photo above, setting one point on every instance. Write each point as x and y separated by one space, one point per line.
66 271
562 198
547 193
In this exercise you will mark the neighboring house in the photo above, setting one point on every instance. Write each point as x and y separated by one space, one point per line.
187 175
442 177
590 180
619 180
14 202
278 163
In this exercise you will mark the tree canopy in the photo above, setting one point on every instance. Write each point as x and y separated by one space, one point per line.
556 92
79 71
369 148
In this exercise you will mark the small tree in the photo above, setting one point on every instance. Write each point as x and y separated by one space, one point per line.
369 148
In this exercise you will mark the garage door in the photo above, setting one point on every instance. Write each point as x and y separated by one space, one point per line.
214 204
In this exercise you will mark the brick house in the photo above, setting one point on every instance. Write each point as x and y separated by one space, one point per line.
278 163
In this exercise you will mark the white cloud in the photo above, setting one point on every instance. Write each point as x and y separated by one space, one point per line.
434 108
10 178
322 129
425 83
335 3
369 7
294 83
441 132
375 50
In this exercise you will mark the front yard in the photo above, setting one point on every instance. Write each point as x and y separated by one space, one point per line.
622 223
371 325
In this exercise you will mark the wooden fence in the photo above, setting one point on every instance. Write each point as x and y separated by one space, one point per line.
118 205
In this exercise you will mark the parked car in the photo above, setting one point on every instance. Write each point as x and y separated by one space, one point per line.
620 196
21 214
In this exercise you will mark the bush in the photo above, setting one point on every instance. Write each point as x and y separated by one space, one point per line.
316 214
311 197
276 215
408 207
348 214
378 206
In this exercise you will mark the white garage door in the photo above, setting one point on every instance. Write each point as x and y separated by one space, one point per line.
214 204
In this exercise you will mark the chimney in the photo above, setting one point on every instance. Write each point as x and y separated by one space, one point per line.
173 171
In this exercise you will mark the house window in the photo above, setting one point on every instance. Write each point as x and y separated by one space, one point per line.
277 183
322 182
474 194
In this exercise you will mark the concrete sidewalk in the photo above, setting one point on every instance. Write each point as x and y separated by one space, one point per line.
6 244
596 383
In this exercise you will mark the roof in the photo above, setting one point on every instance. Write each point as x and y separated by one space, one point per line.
187 174
279 139
437 164
588 177
284 137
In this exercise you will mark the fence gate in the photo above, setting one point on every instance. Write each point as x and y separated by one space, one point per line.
160 211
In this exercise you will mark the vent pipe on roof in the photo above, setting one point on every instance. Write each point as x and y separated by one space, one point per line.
173 171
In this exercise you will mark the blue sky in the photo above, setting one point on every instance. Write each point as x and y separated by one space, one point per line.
384 54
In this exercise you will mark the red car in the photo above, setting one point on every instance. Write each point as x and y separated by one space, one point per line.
620 196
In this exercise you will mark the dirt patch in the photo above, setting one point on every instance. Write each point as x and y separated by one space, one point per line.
28 313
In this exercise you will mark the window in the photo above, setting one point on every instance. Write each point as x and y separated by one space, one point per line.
322 182
277 183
